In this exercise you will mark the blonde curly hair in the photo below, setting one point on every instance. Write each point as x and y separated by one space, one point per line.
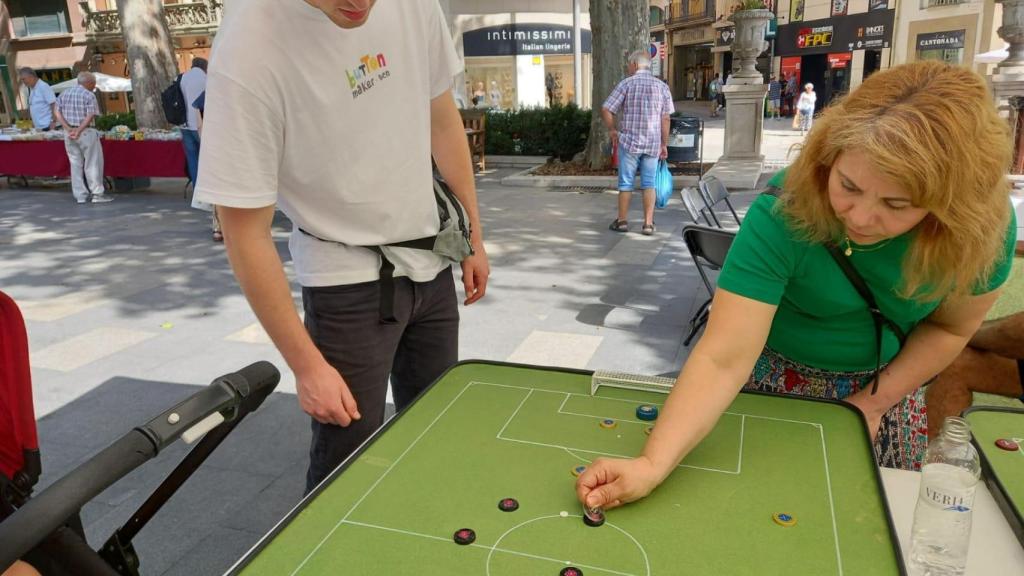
932 129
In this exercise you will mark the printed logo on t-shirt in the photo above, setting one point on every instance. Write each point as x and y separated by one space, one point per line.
371 69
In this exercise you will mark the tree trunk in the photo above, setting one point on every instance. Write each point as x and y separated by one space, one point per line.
151 59
620 27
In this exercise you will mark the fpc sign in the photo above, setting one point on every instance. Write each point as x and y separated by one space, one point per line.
814 37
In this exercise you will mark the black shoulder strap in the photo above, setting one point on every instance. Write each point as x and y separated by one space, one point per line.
861 286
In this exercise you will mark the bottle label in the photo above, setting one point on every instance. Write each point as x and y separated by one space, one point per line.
949 500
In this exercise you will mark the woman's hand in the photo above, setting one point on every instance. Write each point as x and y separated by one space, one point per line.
872 409
608 482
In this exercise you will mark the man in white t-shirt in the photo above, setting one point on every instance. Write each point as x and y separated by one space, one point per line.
335 123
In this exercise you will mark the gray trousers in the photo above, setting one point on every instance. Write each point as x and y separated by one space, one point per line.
344 323
86 158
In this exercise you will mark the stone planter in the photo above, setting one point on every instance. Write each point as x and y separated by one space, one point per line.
1012 31
751 26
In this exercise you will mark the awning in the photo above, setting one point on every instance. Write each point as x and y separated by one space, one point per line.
104 83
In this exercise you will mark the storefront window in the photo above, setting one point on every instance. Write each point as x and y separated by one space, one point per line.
524 65
491 82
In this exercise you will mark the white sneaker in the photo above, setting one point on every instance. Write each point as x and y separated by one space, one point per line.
102 199
77 201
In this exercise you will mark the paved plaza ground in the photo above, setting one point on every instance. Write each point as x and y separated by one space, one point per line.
130 307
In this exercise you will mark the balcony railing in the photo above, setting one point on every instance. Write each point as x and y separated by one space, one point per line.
934 3
680 11
184 18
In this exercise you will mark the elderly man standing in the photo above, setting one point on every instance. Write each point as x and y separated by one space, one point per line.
76 109
645 103
41 101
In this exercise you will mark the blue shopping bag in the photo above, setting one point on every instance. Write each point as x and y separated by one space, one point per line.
662 185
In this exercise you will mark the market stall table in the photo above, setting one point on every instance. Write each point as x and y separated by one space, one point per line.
782 485
121 159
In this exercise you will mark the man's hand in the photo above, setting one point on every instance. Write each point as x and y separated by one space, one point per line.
324 395
664 152
475 271
614 135
74 133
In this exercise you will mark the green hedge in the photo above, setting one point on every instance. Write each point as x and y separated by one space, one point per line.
559 131
108 121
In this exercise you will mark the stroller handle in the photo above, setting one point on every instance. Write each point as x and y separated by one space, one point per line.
232 395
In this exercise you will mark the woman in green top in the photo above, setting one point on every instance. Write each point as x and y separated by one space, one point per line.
907 175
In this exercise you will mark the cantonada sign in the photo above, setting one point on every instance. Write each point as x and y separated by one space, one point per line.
519 39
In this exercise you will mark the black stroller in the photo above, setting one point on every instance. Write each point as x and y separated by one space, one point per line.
45 530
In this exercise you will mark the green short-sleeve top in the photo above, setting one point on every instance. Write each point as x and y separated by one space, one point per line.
821 321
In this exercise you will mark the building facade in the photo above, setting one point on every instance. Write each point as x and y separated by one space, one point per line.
953 31
834 44
59 38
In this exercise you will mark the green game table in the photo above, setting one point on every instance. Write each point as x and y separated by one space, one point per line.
1003 470
488 431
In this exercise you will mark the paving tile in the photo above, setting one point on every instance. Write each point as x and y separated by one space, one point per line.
87 348
556 349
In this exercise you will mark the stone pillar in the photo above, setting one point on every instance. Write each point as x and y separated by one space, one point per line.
740 165
1008 80
744 121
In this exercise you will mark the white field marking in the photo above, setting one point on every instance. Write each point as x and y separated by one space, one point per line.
575 455
379 480
478 383
572 450
743 431
485 547
831 505
647 563
514 414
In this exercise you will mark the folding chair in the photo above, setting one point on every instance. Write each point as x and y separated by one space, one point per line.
45 529
713 191
708 247
691 197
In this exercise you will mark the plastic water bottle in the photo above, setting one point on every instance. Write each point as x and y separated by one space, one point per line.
942 519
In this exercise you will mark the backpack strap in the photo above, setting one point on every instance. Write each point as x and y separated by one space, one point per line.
862 288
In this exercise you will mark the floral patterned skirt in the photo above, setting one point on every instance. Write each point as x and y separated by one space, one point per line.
903 434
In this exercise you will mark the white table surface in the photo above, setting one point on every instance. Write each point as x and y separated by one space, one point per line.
994 550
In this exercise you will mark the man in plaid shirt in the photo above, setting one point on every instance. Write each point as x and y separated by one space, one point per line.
642 104
76 109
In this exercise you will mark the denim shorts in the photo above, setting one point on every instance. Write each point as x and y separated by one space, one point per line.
628 164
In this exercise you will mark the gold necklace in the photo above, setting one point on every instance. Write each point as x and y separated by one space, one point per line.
850 249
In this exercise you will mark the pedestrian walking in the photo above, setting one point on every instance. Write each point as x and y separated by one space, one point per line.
714 89
193 83
76 109
774 97
805 107
642 104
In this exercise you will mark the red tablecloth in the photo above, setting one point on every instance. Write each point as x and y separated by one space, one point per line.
121 159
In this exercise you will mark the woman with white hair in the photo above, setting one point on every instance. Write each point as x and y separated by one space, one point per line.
805 106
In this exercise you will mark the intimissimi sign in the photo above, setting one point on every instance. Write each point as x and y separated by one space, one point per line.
518 39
